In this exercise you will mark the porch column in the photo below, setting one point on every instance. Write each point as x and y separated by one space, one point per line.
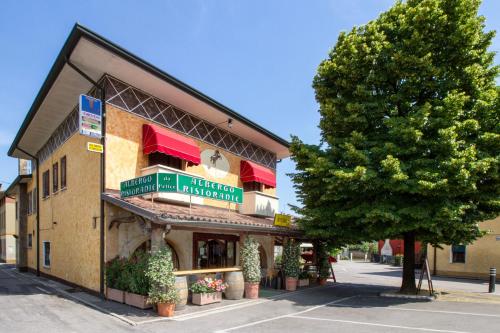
157 242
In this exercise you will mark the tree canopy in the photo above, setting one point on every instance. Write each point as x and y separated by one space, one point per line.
410 129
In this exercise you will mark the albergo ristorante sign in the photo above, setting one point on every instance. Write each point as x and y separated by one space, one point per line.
178 183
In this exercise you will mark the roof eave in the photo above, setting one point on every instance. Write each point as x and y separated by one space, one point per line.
79 31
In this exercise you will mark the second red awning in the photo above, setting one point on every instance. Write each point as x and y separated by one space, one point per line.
157 139
252 172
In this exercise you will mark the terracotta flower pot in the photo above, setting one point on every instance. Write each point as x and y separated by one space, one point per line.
206 298
322 281
291 283
115 295
139 301
251 290
303 283
165 309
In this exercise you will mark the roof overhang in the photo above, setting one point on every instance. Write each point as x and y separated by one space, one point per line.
96 56
13 189
163 219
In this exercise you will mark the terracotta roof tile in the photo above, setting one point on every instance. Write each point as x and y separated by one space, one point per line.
170 213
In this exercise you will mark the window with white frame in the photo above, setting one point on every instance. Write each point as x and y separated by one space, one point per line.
458 253
46 254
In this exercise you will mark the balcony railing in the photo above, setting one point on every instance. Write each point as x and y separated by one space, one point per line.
259 204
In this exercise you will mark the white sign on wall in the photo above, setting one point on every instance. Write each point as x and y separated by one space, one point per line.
214 163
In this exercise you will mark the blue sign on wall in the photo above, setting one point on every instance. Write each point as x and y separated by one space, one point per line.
90 116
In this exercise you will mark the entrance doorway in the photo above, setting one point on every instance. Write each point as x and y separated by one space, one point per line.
214 250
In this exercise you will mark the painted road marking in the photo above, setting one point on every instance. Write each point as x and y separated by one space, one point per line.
422 310
283 316
241 305
376 324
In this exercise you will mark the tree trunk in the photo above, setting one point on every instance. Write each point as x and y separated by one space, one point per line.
408 285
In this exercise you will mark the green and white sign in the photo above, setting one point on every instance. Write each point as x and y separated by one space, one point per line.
178 183
139 186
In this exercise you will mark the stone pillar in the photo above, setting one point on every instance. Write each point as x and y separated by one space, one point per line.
157 235
22 258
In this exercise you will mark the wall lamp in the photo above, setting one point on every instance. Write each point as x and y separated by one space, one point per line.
229 122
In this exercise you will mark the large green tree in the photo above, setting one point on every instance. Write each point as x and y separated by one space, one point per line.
410 131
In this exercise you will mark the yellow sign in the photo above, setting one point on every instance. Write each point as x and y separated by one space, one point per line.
282 220
95 147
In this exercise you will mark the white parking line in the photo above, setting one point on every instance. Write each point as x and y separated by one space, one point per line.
379 325
283 316
421 310
209 312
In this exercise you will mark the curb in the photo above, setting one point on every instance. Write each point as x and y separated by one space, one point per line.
181 317
414 297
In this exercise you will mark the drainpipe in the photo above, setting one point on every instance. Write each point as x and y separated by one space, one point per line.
101 88
37 162
103 185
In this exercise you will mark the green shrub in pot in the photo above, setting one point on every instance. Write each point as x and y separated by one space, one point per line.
159 272
250 260
291 259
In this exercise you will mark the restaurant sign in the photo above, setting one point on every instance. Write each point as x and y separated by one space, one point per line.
178 183
90 116
282 220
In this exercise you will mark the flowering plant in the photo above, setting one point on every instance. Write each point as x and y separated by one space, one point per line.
208 285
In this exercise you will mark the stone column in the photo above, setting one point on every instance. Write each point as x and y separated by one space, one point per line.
157 241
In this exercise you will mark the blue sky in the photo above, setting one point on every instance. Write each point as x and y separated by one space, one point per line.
257 57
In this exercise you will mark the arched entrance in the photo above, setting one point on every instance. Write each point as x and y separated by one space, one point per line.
146 247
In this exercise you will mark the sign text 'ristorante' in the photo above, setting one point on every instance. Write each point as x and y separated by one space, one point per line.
178 183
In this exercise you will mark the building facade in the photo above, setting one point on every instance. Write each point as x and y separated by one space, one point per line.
8 231
154 126
469 260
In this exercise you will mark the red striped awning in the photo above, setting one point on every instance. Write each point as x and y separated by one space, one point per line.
157 139
252 172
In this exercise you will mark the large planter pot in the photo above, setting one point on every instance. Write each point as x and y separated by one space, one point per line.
165 309
291 283
115 295
136 300
303 283
182 289
251 290
322 281
236 284
206 298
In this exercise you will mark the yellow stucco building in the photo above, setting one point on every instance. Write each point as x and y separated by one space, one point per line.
81 213
8 232
471 260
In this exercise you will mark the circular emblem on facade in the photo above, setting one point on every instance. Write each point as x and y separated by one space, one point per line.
214 163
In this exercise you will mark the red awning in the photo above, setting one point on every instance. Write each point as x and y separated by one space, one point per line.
157 139
251 172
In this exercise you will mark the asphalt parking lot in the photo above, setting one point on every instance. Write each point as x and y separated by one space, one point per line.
352 305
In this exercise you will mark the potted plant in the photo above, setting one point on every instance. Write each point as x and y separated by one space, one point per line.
115 280
207 291
313 277
398 259
291 264
250 262
162 291
303 279
324 264
138 283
